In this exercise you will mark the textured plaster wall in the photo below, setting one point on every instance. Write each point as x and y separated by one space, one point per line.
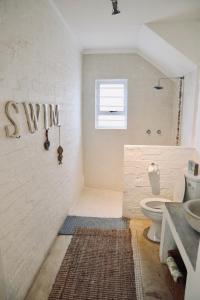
138 185
39 62
147 109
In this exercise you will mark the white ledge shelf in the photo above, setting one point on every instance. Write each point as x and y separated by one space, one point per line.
176 232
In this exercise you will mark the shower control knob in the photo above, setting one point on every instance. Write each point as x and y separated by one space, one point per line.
148 131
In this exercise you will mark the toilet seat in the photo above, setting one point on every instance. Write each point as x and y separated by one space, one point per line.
154 205
152 208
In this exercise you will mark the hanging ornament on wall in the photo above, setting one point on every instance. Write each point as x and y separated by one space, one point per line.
47 142
60 151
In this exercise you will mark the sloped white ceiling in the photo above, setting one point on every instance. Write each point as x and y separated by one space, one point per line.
95 27
184 36
161 54
96 30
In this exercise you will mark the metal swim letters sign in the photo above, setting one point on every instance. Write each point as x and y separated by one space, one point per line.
51 116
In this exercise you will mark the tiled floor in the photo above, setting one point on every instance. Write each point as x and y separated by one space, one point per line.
46 276
153 273
100 203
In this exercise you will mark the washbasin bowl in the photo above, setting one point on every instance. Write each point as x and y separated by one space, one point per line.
192 213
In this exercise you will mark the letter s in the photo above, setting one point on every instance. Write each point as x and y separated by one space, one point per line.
15 133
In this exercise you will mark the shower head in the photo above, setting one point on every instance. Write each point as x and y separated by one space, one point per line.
158 87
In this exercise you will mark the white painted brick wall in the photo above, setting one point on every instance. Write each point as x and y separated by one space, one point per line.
39 62
171 160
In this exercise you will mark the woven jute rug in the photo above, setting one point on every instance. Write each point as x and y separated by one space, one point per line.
98 265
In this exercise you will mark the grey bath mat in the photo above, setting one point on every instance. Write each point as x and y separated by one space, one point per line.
73 222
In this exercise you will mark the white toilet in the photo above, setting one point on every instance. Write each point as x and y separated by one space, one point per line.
152 208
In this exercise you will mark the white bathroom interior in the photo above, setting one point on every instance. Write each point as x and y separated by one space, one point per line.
99 117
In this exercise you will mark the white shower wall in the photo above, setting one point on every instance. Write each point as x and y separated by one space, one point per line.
147 109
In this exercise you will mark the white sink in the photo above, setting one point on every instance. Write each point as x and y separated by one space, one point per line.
192 213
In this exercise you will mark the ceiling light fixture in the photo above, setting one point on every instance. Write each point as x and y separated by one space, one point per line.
115 11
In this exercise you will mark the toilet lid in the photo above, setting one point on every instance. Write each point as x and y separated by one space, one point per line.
179 188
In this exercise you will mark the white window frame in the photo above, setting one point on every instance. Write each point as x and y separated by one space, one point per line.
98 82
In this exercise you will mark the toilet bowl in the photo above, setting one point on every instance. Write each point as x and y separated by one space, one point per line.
152 208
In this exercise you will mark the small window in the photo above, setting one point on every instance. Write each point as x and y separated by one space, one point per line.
111 104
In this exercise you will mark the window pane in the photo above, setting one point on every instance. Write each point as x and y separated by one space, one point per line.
111 85
111 92
111 109
111 118
111 104
111 100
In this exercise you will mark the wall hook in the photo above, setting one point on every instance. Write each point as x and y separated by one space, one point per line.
47 142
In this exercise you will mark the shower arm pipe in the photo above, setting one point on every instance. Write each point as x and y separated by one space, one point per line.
168 78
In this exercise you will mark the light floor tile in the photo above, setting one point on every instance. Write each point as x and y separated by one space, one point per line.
98 203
